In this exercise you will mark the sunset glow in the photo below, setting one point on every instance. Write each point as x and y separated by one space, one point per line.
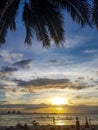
59 101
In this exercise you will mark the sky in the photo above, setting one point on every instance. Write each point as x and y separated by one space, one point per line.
31 77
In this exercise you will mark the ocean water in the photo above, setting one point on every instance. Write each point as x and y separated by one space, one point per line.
46 119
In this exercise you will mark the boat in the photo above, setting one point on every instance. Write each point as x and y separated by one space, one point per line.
18 112
13 112
8 112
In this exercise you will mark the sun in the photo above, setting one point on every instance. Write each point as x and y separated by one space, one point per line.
59 101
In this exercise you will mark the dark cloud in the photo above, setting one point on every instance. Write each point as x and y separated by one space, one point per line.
24 106
5 72
23 63
82 97
45 83
79 87
3 102
14 67
79 79
2 87
41 82
8 69
96 82
37 106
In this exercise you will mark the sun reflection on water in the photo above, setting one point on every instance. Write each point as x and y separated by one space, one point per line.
58 122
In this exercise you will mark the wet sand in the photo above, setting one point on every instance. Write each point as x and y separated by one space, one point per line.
64 127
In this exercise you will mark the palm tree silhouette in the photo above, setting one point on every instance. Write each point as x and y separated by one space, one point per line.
42 18
95 13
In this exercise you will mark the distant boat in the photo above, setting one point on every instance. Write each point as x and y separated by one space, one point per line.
13 112
18 112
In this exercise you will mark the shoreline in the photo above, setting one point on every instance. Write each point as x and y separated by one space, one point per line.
49 127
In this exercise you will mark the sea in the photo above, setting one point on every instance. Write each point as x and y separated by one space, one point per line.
46 119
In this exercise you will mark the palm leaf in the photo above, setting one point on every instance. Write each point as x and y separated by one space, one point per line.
95 13
26 17
2 7
54 22
47 16
8 20
44 18
78 9
13 26
34 21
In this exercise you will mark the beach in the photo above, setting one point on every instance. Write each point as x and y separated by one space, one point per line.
48 122
54 127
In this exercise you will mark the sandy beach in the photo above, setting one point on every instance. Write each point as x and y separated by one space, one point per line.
54 127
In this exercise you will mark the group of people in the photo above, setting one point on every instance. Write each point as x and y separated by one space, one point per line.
87 125
20 126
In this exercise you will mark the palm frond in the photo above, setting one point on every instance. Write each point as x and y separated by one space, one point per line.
95 13
44 18
2 6
47 16
78 9
26 17
41 31
37 23
54 22
33 21
8 20
13 26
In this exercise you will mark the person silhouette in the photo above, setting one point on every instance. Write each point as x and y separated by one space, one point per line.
77 124
86 124
54 120
89 121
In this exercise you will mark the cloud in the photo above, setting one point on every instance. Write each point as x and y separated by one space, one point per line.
23 63
73 41
14 94
6 72
3 102
25 106
37 106
90 51
82 97
1 87
79 79
96 73
8 69
40 84
10 57
52 61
